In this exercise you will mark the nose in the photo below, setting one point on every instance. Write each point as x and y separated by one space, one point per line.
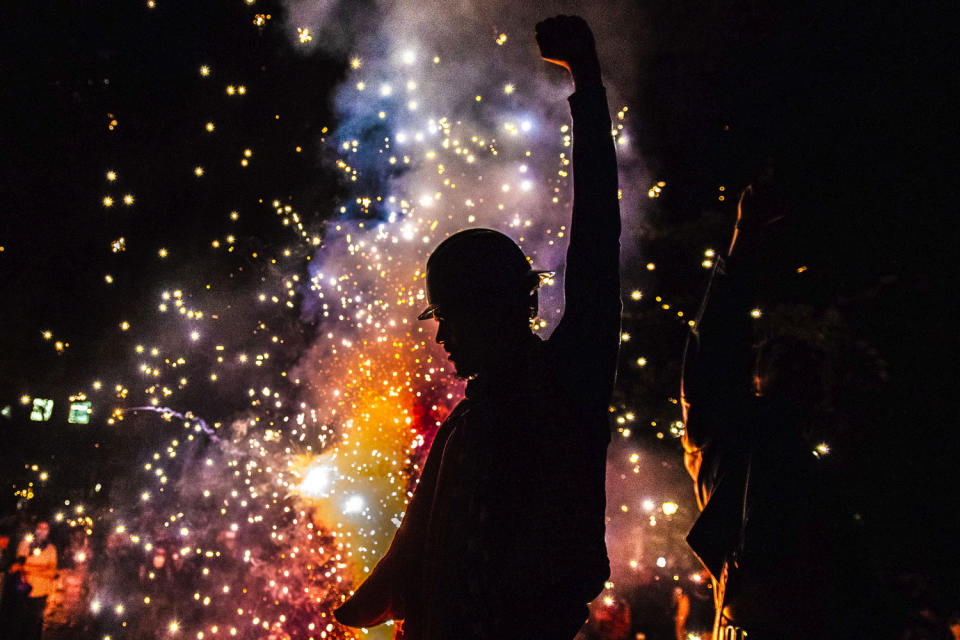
443 332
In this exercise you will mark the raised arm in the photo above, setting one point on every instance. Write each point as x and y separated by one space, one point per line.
718 360
588 336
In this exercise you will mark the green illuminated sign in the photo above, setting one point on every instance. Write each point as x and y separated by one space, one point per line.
42 408
80 413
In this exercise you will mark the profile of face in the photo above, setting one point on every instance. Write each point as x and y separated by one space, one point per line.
466 338
475 338
41 532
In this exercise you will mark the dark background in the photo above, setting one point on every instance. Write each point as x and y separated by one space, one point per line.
852 107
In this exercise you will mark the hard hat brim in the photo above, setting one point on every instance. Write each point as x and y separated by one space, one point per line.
429 312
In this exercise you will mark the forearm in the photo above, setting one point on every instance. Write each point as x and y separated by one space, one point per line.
593 255
588 335
586 74
718 362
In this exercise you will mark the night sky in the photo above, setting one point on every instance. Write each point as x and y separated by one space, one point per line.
848 106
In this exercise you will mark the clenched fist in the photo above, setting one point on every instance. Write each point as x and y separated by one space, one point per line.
567 41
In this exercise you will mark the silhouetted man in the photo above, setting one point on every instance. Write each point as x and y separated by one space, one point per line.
504 536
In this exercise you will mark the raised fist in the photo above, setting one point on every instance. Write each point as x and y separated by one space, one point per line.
568 42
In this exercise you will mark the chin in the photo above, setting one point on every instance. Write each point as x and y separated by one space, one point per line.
463 375
463 372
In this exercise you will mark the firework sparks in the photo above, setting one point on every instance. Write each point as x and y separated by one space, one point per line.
276 513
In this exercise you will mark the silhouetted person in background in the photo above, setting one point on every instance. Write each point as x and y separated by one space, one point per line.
37 560
68 605
767 532
504 536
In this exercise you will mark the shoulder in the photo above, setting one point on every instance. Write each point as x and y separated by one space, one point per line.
453 418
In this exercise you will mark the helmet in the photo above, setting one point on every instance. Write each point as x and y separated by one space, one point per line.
476 267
